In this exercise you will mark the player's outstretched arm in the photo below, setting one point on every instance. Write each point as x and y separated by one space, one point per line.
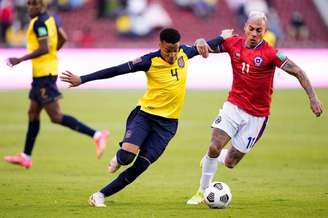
70 78
41 50
291 68
204 48
75 80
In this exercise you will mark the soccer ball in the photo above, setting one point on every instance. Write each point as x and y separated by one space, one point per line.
217 195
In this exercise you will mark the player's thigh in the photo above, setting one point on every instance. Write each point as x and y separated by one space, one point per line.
219 138
44 90
53 109
249 133
156 142
225 125
137 129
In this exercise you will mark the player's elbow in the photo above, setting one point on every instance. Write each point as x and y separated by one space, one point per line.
44 50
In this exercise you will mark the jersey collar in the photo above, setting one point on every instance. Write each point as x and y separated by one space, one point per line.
260 44
44 15
257 46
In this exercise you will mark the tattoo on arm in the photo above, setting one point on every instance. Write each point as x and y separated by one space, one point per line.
291 68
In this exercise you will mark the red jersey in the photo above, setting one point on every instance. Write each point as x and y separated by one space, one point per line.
253 72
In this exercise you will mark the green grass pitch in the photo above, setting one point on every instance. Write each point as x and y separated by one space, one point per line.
285 175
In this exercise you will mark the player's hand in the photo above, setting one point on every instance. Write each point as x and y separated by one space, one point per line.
316 106
227 33
13 61
203 48
70 78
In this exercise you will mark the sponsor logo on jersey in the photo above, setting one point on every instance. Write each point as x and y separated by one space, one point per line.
258 60
42 31
280 56
181 62
218 120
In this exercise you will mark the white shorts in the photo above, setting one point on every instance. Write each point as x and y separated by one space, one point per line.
244 129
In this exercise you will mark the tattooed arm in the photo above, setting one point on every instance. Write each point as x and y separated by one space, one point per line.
291 68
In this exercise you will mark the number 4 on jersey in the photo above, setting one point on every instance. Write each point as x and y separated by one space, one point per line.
175 73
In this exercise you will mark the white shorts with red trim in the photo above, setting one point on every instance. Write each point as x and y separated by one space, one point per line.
244 129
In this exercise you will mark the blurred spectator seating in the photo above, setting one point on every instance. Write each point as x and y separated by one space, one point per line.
84 38
297 27
201 8
6 18
15 35
141 19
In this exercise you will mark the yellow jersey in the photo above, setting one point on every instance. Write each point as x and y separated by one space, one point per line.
166 83
43 26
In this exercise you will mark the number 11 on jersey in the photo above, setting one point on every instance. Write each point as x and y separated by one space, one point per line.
245 68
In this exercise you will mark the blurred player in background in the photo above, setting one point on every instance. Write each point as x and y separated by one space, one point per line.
154 122
45 36
244 115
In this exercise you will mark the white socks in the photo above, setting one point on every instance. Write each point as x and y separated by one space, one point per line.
96 135
209 168
222 155
25 156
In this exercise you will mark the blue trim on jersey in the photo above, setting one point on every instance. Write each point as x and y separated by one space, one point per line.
260 44
216 44
58 21
40 23
140 64
190 51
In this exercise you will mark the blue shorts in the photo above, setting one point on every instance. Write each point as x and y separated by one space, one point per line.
44 90
150 132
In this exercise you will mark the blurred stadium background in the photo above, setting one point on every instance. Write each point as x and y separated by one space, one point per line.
285 176
135 23
103 33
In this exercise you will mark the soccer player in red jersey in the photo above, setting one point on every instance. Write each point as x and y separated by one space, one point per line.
244 115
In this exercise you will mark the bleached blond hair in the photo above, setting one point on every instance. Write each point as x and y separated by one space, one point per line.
257 15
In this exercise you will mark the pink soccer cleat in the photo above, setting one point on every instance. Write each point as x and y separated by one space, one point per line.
19 159
101 142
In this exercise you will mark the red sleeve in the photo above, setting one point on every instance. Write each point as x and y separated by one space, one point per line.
225 47
278 58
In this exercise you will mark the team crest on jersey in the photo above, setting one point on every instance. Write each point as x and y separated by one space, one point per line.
258 60
128 134
181 62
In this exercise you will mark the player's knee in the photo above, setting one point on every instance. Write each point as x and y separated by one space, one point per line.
230 163
124 157
33 115
56 118
213 150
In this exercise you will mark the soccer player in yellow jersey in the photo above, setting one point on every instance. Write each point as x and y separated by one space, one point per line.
153 123
44 37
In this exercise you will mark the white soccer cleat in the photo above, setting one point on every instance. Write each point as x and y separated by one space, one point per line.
97 200
113 165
